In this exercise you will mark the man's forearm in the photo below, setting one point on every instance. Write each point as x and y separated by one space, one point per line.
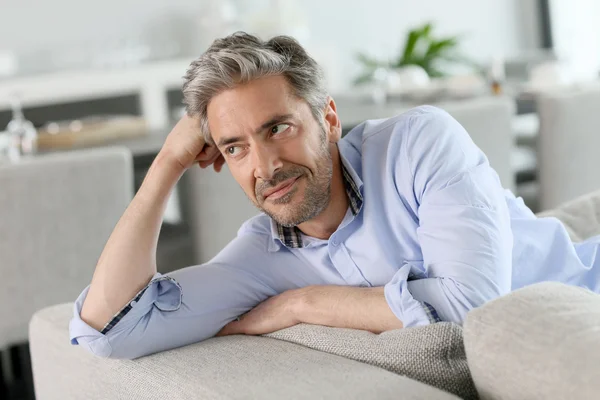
128 261
347 307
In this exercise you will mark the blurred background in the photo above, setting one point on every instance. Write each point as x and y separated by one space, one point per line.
89 91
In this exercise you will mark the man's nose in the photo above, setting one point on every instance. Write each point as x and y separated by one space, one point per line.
266 162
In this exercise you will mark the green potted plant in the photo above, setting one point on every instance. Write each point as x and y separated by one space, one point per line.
421 48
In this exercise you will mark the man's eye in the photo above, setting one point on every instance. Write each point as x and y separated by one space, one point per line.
277 129
233 150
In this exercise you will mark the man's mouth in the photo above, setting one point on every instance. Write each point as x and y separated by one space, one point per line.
280 190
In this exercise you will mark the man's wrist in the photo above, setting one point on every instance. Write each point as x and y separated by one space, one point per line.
162 176
166 159
301 303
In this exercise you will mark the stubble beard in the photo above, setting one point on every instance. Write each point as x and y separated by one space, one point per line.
317 192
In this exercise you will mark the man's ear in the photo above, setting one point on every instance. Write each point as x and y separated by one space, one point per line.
333 126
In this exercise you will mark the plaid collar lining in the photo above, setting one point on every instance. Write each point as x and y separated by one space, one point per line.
292 236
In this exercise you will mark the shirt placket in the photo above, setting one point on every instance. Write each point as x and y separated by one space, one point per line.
343 263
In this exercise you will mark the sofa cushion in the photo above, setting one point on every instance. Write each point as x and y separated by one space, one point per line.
539 342
222 368
432 354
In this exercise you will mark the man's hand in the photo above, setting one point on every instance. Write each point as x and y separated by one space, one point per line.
275 313
185 146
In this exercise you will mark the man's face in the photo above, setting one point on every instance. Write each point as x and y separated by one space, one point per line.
274 147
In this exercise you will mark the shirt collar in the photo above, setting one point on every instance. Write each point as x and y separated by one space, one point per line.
291 237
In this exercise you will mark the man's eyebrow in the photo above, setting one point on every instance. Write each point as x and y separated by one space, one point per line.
277 119
229 140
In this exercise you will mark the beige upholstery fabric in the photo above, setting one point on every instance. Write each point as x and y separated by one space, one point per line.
539 342
231 367
431 354
56 213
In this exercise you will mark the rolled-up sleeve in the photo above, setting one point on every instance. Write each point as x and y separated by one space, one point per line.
163 292
463 225
180 308
404 305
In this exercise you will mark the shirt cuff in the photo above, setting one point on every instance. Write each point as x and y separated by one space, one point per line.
167 298
409 310
163 292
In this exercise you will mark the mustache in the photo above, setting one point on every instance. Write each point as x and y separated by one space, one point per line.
279 177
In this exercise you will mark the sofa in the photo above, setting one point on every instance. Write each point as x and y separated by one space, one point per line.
539 342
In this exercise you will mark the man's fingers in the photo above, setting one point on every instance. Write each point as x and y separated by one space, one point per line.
208 153
218 165
206 162
223 332
231 328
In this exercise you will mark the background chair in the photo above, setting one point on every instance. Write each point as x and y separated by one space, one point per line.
215 208
489 123
568 144
56 213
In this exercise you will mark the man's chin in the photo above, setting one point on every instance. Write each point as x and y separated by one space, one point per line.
284 214
290 215
288 223
292 209
281 216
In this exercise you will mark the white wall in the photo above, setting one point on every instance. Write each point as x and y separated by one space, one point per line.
378 26
337 29
37 24
576 35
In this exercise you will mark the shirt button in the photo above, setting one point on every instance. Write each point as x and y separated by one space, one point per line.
335 243
133 303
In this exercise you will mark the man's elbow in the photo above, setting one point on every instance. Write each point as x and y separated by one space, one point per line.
465 296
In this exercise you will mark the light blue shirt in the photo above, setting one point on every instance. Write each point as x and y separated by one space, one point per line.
432 225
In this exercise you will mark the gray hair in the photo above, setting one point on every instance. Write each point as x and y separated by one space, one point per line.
240 58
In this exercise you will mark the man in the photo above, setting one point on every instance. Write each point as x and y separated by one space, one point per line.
401 223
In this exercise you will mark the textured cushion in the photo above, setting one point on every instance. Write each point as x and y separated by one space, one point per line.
580 216
431 354
539 342
230 367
